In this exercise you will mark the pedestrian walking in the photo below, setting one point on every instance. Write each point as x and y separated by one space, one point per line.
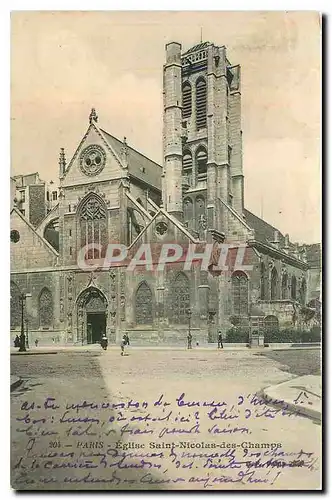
123 343
104 342
189 339
17 341
220 344
36 342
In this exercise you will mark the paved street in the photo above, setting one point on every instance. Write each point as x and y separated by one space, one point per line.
145 375
308 362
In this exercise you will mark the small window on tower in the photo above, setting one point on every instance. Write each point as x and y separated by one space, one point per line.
186 100
54 195
200 104
201 162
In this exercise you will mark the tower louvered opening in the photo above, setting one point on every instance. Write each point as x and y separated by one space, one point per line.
200 104
186 100
201 162
187 164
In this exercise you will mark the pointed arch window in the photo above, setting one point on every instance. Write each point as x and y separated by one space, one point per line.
303 291
45 306
180 299
188 213
200 103
15 305
200 212
284 286
240 289
93 225
274 284
263 281
201 162
293 288
187 164
186 100
143 305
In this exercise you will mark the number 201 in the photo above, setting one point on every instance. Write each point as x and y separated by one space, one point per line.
54 444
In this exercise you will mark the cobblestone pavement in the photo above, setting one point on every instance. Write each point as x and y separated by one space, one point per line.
146 375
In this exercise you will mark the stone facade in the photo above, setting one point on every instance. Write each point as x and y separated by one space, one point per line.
110 193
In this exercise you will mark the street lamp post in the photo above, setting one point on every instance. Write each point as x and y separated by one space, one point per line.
189 328
24 342
22 336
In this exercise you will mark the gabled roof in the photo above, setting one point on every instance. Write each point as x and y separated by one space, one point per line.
170 217
101 134
139 166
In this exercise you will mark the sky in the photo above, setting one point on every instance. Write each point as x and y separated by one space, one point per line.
65 63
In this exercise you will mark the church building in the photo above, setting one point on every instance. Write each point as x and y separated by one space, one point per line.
109 193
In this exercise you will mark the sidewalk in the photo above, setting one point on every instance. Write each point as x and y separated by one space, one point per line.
14 382
210 347
303 394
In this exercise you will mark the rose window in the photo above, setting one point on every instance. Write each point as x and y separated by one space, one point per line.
92 160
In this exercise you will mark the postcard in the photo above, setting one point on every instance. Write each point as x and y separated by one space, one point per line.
165 240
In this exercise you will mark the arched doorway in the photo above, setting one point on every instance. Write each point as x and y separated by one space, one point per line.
91 315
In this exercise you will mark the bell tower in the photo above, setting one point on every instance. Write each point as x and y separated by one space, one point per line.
202 130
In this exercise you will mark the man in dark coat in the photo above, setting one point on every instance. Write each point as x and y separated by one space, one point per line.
220 344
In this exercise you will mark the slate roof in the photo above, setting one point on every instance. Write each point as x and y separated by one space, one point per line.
199 46
264 232
139 166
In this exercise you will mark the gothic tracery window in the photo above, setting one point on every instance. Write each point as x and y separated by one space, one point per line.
284 286
45 308
240 288
93 224
180 299
143 305
274 284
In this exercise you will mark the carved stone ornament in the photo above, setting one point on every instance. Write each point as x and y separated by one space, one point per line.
161 228
92 160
